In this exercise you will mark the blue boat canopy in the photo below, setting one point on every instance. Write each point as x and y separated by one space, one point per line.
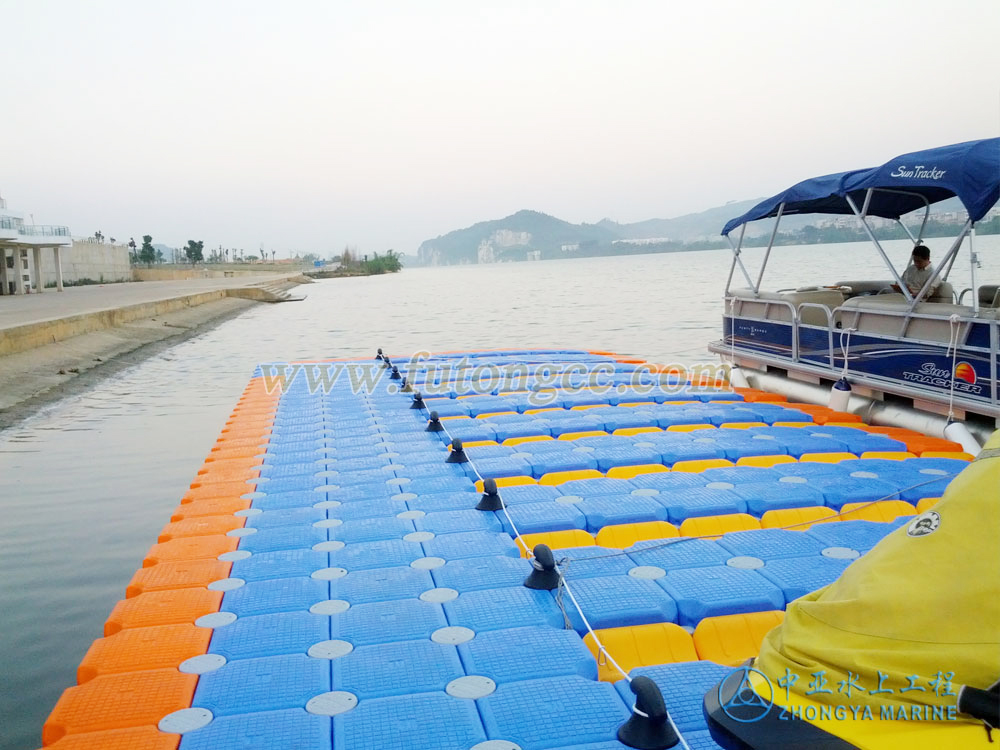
970 171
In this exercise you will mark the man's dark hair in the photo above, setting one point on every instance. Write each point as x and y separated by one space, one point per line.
922 252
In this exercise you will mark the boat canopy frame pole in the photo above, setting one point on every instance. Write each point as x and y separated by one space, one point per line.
770 244
973 262
878 245
737 249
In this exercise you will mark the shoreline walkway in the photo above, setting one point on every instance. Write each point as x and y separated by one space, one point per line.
20 310
54 341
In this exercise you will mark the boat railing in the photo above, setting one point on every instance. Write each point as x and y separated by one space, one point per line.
959 327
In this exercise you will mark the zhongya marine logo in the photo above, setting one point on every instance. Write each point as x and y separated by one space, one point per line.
746 704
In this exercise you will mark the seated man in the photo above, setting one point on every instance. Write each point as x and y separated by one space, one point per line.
919 270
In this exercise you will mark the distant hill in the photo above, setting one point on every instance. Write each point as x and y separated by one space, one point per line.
514 237
531 235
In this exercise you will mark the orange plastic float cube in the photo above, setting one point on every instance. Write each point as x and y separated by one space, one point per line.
556 540
190 548
164 607
200 526
628 472
622 536
558 477
882 511
640 646
713 527
133 738
140 649
177 575
118 701
797 519
222 489
732 639
217 506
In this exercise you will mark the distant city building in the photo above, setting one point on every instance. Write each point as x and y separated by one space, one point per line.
17 274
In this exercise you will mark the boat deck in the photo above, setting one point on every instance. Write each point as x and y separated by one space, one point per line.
327 581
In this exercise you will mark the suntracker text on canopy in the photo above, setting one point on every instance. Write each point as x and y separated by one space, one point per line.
970 171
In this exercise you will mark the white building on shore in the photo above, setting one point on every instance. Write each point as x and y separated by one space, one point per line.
17 274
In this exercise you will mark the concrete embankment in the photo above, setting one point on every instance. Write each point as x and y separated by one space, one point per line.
55 344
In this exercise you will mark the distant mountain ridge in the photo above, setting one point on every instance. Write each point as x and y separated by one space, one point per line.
532 235
514 235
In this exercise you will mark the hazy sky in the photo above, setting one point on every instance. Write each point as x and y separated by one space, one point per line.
313 124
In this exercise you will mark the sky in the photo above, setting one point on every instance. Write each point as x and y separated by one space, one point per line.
310 125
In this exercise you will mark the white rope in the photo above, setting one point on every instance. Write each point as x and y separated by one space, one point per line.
953 321
503 505
845 347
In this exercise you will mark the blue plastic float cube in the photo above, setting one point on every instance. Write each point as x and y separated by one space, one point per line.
470 544
720 590
683 686
608 510
389 553
286 500
430 721
379 671
528 493
857 535
798 576
442 501
428 486
270 635
700 501
372 529
283 538
838 491
495 609
592 562
273 519
385 622
546 713
266 684
616 601
568 460
266 730
477 573
377 508
381 584
678 553
446 522
281 564
771 544
766 496
279 595
497 468
535 518
527 654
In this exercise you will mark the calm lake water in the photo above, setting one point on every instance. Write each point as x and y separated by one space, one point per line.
86 485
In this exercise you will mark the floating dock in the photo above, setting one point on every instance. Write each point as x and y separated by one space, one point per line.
328 582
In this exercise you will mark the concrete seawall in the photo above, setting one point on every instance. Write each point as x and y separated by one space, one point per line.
53 345
40 333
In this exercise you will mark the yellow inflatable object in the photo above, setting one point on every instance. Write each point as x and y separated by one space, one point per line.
902 629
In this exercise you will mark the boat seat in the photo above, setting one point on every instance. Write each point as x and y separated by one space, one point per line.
989 295
749 304
867 287
869 315
944 293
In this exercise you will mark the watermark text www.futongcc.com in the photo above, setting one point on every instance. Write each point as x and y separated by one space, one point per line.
464 377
